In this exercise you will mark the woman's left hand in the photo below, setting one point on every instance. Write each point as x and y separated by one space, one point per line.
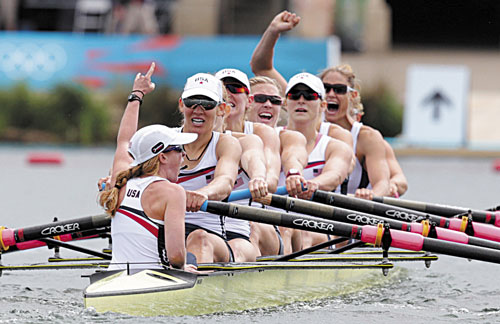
143 82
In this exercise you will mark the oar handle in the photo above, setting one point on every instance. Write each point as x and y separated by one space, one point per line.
244 194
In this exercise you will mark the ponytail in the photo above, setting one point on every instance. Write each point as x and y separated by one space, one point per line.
109 198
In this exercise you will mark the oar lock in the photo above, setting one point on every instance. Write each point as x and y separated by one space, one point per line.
384 239
466 226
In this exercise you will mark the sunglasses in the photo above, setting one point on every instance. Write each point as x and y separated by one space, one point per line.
261 98
176 148
236 88
337 88
205 103
309 95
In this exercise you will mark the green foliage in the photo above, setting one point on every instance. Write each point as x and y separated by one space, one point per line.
73 114
382 110
67 113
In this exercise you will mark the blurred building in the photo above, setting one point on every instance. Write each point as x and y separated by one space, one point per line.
380 38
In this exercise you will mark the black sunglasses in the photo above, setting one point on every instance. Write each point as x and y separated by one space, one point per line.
309 95
236 88
176 148
205 103
261 98
337 88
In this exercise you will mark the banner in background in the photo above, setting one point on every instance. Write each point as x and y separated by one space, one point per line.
99 61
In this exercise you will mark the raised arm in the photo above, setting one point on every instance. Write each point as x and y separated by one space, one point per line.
262 58
128 124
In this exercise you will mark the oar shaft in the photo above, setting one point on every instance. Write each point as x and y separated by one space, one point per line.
479 230
85 235
105 256
354 217
10 237
367 233
481 216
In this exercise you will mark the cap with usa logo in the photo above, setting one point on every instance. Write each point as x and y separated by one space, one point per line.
203 84
151 140
235 74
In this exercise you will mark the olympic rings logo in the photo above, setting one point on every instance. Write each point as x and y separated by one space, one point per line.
29 60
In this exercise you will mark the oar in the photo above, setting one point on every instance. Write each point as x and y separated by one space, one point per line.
245 194
9 237
478 230
377 235
311 249
85 235
481 216
354 217
51 241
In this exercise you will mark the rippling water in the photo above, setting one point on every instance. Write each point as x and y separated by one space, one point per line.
452 290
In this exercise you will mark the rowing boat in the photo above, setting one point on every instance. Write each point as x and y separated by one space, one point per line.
239 286
271 281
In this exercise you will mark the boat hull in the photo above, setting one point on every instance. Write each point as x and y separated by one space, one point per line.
231 288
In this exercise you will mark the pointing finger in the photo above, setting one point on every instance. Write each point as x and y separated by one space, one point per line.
151 70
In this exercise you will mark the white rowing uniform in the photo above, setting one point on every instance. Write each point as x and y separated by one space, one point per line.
137 238
315 161
324 128
248 127
197 178
359 176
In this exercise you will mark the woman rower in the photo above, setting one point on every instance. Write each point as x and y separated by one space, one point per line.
329 159
369 151
265 108
371 174
146 206
252 174
266 238
397 182
211 167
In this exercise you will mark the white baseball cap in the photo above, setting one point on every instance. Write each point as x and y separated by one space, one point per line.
151 140
233 73
203 84
309 80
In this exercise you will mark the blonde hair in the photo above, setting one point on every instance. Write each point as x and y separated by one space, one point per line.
355 105
264 80
108 198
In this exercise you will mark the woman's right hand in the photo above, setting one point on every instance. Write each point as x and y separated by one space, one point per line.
284 21
194 200
104 183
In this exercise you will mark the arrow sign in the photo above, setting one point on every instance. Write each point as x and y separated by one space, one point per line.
436 105
437 100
